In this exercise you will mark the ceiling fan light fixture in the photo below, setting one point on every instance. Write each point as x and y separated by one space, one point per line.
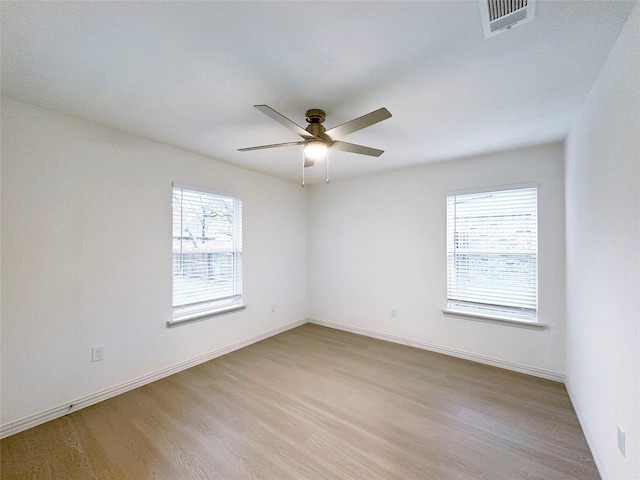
315 150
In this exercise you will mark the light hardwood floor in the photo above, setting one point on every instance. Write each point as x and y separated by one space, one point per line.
317 403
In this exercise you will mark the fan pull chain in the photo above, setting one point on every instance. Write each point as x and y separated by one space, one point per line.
327 162
327 168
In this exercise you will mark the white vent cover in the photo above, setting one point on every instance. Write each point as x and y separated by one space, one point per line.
500 15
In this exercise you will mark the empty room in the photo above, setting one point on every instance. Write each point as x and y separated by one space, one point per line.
341 239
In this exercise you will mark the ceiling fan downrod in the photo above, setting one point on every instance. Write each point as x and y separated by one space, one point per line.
315 117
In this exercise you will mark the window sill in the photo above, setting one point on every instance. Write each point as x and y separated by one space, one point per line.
196 317
494 319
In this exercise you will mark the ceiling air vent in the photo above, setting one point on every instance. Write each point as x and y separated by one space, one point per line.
500 15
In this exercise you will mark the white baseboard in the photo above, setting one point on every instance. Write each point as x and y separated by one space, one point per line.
93 398
495 362
588 435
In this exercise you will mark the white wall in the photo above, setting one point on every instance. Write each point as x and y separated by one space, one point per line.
378 242
86 258
603 259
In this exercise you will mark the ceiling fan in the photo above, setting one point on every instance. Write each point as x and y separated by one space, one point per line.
316 139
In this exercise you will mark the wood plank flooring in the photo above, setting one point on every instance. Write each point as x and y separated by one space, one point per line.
317 403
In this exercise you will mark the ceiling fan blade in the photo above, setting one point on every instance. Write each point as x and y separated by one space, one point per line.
275 145
353 148
358 123
278 117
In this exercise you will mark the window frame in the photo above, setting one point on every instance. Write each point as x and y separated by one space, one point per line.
213 306
486 314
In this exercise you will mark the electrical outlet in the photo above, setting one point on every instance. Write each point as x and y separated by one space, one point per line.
621 440
273 307
97 353
394 312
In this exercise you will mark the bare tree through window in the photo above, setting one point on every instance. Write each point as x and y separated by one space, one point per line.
206 249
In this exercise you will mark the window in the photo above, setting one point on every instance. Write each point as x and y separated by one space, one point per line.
207 254
492 254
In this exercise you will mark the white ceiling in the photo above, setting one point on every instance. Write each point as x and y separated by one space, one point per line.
187 73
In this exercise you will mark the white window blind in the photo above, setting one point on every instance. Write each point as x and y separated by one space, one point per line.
207 252
492 254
